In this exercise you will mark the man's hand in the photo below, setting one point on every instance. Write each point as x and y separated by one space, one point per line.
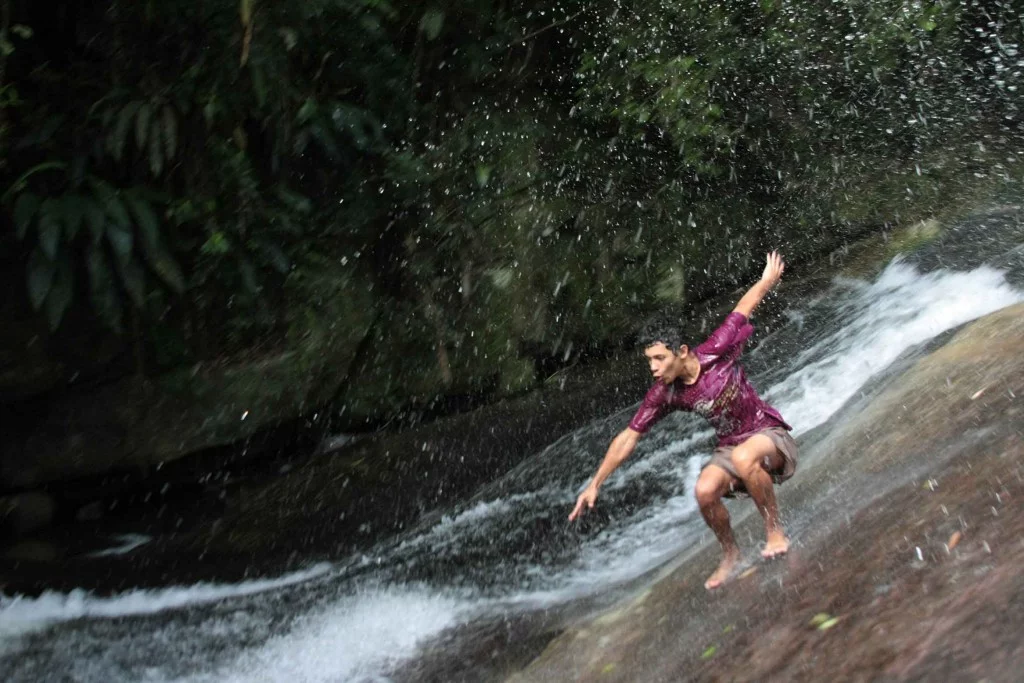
773 270
586 498
622 445
772 274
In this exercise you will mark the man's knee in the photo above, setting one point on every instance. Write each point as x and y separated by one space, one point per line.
708 490
747 461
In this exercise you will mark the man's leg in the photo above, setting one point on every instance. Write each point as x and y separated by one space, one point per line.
753 459
712 484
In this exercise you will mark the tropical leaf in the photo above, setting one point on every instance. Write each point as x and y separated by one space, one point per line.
121 240
240 138
42 132
78 165
103 289
19 184
431 23
96 219
259 83
160 260
483 175
216 244
289 36
73 209
142 124
210 110
40 277
275 256
112 204
156 150
106 117
119 136
24 211
49 227
326 140
170 130
165 266
248 272
133 278
294 200
306 111
363 126
60 293
145 218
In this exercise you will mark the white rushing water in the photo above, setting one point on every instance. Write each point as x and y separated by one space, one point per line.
878 322
25 615
351 621
349 639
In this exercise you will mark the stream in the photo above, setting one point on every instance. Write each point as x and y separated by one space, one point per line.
506 557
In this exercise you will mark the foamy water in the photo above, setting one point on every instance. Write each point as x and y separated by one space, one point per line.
352 621
20 615
882 320
353 638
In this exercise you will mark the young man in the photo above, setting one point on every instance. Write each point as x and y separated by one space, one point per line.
754 446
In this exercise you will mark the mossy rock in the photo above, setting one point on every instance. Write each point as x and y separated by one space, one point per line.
136 423
869 256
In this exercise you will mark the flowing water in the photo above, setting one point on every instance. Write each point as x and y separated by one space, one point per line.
508 550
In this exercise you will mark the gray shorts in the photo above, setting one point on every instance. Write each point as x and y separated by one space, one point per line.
784 444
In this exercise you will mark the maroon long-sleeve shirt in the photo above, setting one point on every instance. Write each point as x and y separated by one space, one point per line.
722 393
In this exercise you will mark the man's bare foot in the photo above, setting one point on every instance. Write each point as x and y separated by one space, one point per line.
776 546
724 571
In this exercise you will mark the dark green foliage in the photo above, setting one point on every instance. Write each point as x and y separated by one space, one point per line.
508 183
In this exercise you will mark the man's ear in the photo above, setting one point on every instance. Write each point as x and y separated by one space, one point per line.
683 350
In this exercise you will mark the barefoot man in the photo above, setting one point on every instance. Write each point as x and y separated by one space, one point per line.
754 449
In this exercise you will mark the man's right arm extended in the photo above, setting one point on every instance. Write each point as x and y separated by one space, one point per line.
620 448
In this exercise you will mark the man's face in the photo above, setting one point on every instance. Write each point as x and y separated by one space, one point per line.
665 365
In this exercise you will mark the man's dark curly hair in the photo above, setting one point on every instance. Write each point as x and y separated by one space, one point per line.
661 328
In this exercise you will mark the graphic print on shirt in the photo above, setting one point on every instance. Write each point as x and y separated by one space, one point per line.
715 410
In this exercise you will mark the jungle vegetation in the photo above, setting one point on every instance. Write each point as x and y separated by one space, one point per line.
467 195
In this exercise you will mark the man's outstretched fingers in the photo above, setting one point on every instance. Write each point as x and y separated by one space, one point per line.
575 511
585 497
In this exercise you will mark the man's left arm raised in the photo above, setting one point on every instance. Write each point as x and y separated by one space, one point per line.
771 276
